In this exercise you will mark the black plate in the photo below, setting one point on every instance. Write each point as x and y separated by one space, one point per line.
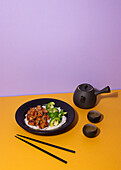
22 110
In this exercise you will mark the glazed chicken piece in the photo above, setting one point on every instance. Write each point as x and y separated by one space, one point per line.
46 117
38 108
40 113
42 125
43 122
29 116
38 118
29 112
34 114
46 124
36 122
31 122
32 109
44 110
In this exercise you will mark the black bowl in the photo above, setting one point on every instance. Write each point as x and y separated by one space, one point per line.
22 110
90 130
94 116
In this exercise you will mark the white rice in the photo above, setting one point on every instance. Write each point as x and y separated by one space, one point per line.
64 118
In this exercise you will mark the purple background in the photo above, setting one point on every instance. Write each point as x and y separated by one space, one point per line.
51 46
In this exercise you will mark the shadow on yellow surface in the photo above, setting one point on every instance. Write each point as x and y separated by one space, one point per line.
103 96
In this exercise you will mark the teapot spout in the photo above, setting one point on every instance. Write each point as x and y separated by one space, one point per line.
105 90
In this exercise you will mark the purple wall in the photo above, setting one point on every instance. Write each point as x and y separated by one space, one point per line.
51 46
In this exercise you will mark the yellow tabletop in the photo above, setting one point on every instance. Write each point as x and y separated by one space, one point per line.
100 153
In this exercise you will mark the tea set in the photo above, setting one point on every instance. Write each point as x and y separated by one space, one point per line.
85 97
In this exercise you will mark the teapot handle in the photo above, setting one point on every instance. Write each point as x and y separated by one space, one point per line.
105 90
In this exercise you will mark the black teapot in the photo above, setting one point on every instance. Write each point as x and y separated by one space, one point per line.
85 95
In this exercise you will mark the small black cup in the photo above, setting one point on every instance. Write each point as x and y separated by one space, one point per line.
94 116
90 130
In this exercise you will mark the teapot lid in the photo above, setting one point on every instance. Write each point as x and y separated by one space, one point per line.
85 87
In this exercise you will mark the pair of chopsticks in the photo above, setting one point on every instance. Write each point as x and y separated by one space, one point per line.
45 143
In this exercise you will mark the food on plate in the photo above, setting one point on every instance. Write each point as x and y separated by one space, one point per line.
45 117
55 121
38 117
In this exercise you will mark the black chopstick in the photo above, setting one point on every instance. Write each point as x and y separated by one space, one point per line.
56 157
55 146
